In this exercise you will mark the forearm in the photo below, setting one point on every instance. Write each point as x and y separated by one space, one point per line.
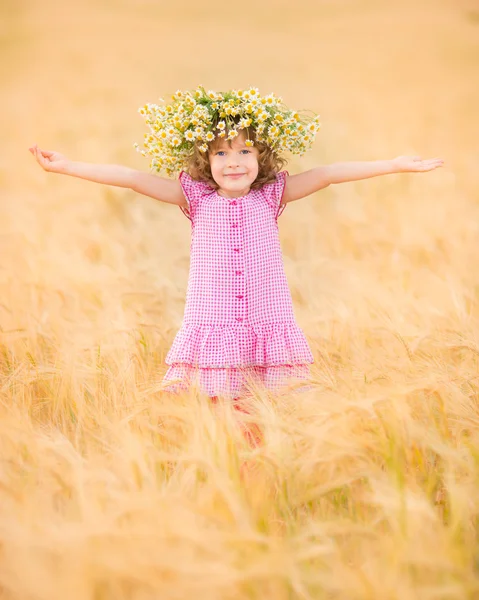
342 172
108 174
148 184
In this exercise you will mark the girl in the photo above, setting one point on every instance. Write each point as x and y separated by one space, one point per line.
239 327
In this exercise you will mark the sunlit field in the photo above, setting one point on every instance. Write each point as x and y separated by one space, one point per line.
366 487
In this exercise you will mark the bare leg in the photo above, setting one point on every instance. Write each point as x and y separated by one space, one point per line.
252 431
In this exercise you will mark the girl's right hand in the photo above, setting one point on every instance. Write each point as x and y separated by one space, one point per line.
54 162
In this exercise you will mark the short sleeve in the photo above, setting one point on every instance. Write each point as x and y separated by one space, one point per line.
193 191
273 193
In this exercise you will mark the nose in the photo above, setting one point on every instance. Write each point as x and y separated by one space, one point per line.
233 160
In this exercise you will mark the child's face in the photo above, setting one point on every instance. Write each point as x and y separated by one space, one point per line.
234 167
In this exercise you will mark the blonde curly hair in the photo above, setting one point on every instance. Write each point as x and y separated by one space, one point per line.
269 162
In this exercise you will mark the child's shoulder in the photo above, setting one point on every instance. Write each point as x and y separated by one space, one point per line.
275 186
194 186
279 179
272 193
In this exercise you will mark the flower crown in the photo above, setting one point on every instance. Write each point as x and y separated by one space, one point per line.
198 117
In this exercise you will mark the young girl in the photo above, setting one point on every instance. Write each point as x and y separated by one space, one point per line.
239 328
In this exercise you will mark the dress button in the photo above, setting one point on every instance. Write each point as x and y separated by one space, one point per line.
233 203
239 272
239 318
236 249
239 296
234 225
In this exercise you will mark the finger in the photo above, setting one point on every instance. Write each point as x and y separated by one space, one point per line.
436 163
41 155
40 158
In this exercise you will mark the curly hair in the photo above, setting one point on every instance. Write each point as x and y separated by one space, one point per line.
269 162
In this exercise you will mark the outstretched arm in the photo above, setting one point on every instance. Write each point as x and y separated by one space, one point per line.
304 184
160 188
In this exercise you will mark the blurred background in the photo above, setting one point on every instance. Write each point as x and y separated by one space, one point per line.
384 277
386 80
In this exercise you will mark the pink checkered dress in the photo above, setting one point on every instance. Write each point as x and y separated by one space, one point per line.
239 327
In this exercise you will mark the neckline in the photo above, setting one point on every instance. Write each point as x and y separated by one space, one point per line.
231 199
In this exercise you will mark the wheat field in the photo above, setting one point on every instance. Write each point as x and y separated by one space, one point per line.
366 487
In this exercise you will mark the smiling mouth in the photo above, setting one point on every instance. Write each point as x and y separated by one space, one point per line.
235 175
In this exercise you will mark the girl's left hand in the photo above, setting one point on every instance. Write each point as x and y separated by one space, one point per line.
414 164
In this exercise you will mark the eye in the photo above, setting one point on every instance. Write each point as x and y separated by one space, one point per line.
220 152
247 151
